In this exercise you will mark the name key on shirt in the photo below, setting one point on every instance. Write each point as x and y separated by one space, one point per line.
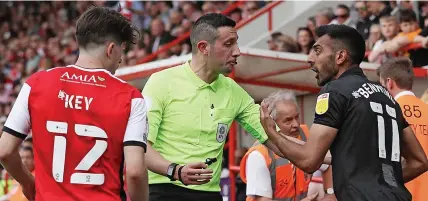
75 101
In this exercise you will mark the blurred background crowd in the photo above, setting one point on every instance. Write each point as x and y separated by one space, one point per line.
36 36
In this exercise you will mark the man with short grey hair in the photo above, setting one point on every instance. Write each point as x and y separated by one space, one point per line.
262 170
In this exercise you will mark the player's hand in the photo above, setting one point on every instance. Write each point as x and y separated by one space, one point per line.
311 197
29 191
266 120
196 174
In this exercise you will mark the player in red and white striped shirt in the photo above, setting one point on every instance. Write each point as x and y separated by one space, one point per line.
86 123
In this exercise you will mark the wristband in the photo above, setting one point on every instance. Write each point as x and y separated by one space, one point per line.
179 175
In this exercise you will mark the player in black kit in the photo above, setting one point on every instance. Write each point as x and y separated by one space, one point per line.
358 121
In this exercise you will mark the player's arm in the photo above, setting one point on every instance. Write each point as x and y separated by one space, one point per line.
155 93
15 130
136 173
416 160
396 44
327 178
269 144
249 118
135 142
309 156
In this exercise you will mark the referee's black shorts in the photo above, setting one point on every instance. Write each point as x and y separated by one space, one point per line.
171 192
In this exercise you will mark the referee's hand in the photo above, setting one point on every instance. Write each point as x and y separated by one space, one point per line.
196 174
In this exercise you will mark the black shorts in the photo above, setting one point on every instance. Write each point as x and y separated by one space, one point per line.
171 192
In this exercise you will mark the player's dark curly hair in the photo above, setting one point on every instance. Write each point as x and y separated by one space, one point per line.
346 38
100 24
205 28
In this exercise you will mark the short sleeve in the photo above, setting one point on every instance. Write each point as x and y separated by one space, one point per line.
137 127
154 93
330 109
18 122
258 176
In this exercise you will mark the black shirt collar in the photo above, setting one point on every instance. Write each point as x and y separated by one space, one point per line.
353 70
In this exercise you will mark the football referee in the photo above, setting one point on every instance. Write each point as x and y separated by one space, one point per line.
191 108
358 120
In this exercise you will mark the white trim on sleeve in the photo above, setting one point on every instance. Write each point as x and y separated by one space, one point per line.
137 128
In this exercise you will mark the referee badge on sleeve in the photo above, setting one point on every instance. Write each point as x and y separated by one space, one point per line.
322 103
221 132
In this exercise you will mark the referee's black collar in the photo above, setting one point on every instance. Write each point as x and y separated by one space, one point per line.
353 70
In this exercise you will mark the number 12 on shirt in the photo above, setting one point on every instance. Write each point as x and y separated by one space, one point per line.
395 154
86 163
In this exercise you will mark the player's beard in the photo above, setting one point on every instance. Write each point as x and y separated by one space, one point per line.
328 72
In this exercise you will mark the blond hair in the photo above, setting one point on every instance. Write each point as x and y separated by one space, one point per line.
388 18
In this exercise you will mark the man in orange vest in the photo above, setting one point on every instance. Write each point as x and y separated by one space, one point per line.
270 177
396 75
27 157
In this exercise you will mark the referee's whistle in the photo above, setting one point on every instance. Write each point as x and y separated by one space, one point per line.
210 161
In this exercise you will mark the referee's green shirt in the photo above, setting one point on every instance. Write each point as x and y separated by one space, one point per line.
189 119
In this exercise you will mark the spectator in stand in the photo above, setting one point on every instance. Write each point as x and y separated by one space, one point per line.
209 7
343 16
175 19
287 43
160 36
375 35
423 13
378 9
249 9
324 16
363 23
419 56
191 12
305 40
409 31
389 28
311 24
236 15
405 5
271 43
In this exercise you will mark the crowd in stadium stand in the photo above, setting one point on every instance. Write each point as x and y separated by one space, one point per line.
386 26
40 35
